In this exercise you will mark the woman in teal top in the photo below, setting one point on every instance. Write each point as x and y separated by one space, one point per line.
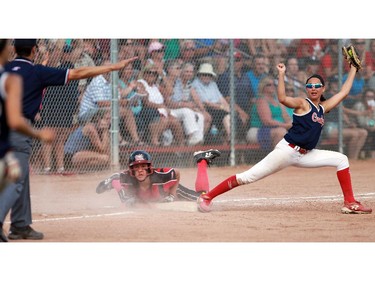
269 116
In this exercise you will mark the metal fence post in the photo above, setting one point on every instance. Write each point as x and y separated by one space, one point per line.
340 66
114 131
232 101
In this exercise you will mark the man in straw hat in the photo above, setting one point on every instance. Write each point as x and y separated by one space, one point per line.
213 100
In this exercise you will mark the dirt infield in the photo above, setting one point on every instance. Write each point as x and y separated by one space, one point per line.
294 205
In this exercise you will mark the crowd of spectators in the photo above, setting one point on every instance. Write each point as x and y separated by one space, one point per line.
178 91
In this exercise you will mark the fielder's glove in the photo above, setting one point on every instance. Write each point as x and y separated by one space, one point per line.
351 55
169 198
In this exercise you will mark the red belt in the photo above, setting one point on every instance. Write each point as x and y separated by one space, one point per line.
299 149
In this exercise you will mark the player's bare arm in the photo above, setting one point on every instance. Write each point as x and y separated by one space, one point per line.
332 102
299 104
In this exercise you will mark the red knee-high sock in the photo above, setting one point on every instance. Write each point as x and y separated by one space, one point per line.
346 184
201 182
222 187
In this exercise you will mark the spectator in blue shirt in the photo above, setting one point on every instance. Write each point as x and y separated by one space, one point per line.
243 94
257 73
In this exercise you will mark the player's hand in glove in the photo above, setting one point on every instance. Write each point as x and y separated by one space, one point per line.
169 198
12 167
351 55
106 185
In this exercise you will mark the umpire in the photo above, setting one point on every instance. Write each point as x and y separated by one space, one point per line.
16 197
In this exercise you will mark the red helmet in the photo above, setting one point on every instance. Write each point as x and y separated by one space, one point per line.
140 157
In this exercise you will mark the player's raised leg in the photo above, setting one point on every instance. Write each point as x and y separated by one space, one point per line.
202 182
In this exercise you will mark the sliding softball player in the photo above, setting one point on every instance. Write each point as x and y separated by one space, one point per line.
144 183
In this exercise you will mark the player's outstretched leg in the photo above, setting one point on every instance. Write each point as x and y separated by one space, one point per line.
355 208
204 201
201 182
351 206
208 155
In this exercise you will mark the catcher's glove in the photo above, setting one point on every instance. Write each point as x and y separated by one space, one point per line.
350 54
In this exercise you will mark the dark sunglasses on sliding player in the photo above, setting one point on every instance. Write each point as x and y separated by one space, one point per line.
316 86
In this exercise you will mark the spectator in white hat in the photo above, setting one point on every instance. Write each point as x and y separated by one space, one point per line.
156 52
213 100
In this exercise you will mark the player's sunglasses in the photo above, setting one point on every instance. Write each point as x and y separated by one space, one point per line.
316 86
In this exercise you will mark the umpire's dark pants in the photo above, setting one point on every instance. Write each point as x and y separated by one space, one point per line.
16 196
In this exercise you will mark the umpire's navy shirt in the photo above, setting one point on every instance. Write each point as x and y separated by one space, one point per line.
35 79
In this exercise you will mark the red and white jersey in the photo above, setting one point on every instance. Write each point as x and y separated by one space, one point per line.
161 180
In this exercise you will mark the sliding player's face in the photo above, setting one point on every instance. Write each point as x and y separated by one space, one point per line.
140 171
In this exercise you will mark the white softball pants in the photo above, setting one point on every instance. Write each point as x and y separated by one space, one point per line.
283 156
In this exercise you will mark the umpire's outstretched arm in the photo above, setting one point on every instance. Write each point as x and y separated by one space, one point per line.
91 71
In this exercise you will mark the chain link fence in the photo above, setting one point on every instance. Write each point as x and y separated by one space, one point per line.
184 95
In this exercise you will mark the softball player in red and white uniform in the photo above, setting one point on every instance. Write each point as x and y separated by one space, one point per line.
297 148
144 183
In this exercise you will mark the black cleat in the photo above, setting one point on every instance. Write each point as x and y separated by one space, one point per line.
208 155
16 233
